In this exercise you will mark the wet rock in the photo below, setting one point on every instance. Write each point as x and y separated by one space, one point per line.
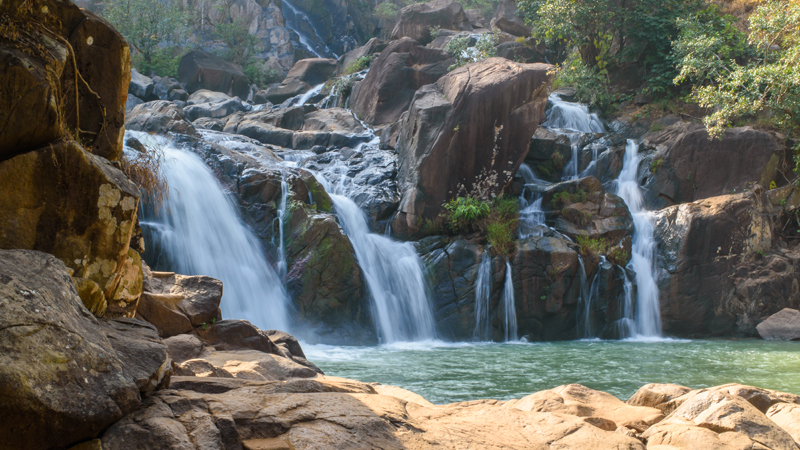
160 117
62 380
507 19
714 280
65 201
688 166
177 304
202 70
784 325
305 74
415 21
466 134
402 68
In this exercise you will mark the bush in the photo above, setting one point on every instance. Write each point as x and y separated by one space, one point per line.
147 25
358 65
458 48
465 212
386 11
591 87
563 198
163 62
500 236
259 75
590 247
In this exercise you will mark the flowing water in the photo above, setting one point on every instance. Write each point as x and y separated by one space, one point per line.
445 373
647 314
483 294
509 309
198 232
292 19
570 116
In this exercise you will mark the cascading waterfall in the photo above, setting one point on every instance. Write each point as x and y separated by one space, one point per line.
291 22
281 244
531 215
588 298
199 232
509 310
570 116
647 317
571 169
483 293
394 276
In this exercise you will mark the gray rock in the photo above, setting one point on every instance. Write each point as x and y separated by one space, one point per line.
141 86
144 356
784 325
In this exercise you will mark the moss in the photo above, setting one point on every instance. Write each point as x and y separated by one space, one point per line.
321 198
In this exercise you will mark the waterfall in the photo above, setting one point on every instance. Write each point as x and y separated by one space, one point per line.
394 276
647 317
291 22
509 310
483 293
531 215
302 99
198 232
281 244
572 116
588 298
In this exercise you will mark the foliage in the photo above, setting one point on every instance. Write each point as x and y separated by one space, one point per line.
358 65
465 212
500 236
497 219
656 164
386 11
147 25
591 247
618 256
163 62
434 31
591 87
564 198
259 75
241 44
458 48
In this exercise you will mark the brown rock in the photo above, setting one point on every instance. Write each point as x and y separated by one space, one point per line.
657 395
245 364
60 379
507 19
304 75
236 335
784 325
72 204
333 119
176 304
183 347
125 297
202 70
91 295
786 416
144 356
415 21
467 134
402 68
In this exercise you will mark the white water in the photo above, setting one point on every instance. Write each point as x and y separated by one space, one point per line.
302 99
394 276
281 244
589 295
647 317
483 293
571 169
531 216
199 230
509 310
572 116
304 39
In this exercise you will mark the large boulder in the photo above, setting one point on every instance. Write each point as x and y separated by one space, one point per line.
372 46
415 21
141 86
161 117
35 70
716 278
466 135
783 325
60 379
507 19
202 70
402 68
77 206
305 74
177 304
687 165
144 356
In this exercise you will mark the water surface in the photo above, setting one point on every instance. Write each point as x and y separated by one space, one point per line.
447 372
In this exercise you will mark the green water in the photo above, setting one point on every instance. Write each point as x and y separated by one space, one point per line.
445 373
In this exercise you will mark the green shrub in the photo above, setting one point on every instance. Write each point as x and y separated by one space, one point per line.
465 212
591 247
656 164
486 47
259 75
500 235
618 256
563 198
358 65
163 62
386 11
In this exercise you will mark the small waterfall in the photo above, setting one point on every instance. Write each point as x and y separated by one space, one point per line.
588 298
571 169
292 22
302 99
394 275
281 244
483 293
647 318
572 116
509 310
198 232
531 218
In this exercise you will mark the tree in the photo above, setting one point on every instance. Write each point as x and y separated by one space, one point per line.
147 24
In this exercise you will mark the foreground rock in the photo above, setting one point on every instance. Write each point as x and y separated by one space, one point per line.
784 325
61 378
466 135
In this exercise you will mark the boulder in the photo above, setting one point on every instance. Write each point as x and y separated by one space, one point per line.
205 96
177 304
228 335
728 418
786 416
466 135
131 102
476 18
372 46
415 21
244 364
37 68
77 206
161 117
518 52
168 88
305 74
143 355
202 70
402 68
714 279
507 19
141 86
183 347
62 381
596 407
333 120
784 325
688 166
218 109
657 395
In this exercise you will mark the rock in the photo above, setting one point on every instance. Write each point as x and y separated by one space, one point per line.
34 75
160 117
183 347
244 364
91 295
468 133
305 74
507 19
595 407
49 339
205 96
325 413
415 21
177 304
713 280
144 356
123 300
783 325
657 395
475 17
165 87
730 419
131 102
202 70
141 86
228 335
216 110
372 46
519 52
786 416
688 166
334 120
74 205
402 68
261 99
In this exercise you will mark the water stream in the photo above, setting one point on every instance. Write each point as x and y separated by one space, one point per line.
307 41
483 294
509 309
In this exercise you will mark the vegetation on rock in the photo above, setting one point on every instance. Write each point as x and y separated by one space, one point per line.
458 48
